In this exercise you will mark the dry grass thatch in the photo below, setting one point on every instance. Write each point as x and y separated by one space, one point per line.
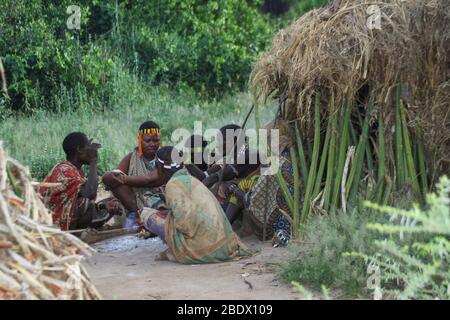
338 54
37 261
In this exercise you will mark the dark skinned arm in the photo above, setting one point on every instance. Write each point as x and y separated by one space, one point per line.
109 178
227 174
232 212
89 189
214 168
195 171
125 163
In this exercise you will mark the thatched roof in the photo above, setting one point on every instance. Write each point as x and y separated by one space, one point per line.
338 53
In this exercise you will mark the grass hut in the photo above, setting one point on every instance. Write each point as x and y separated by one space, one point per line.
370 81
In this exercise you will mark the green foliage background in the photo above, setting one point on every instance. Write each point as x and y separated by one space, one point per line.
207 45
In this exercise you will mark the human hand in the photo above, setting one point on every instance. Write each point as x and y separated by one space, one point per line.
210 180
234 189
92 151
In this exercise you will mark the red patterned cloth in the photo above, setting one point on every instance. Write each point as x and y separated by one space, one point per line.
61 200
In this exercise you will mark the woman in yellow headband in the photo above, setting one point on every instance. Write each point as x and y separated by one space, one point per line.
136 177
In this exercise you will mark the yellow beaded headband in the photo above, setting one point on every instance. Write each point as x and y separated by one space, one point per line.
150 131
141 133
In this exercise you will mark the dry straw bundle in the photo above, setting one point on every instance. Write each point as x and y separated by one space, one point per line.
37 261
343 54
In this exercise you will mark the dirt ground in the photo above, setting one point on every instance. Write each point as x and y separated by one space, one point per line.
125 268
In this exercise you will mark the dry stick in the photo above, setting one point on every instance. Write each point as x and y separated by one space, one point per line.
22 261
9 275
399 153
46 184
20 167
43 237
350 154
5 212
56 260
36 264
46 294
46 253
56 282
74 240
7 281
89 285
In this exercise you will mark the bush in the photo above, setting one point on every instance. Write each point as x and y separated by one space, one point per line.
410 248
41 55
209 45
419 270
320 259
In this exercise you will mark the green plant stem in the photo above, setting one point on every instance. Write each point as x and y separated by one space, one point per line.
331 157
422 170
357 167
399 161
341 155
381 161
296 204
301 153
412 173
314 160
323 161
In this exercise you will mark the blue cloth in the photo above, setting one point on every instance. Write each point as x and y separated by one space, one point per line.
156 226
281 223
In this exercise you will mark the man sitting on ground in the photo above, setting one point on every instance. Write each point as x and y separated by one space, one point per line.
259 199
135 182
72 201
193 225
231 143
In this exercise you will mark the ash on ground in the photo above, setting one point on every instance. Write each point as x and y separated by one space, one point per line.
128 243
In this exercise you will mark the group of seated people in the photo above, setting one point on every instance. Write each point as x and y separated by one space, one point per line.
194 206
